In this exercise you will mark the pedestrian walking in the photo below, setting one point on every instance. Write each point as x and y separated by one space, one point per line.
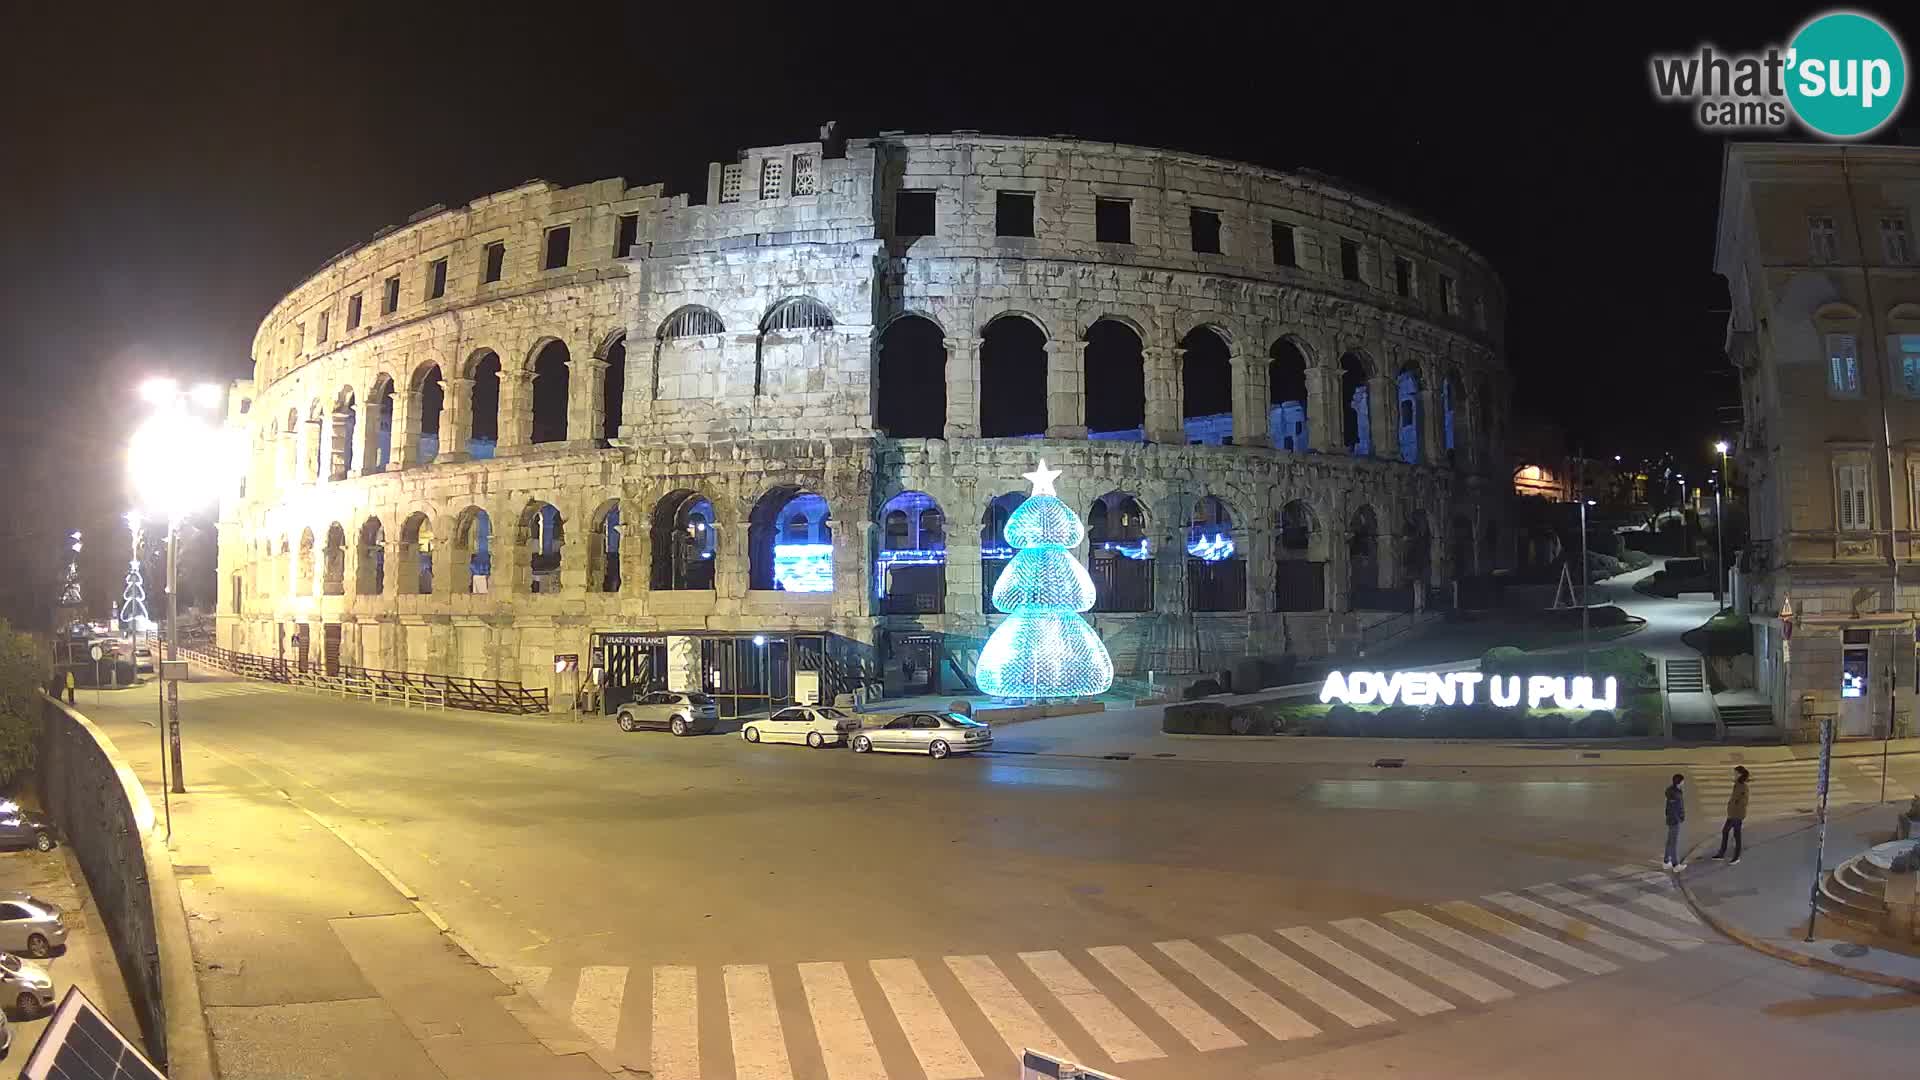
70 700
1736 815
1676 813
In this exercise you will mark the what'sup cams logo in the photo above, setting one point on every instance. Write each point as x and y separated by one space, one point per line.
1842 76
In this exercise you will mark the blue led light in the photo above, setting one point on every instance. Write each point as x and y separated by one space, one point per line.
904 557
1141 550
803 567
1044 649
1213 548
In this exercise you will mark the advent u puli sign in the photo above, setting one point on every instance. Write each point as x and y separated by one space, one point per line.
1426 688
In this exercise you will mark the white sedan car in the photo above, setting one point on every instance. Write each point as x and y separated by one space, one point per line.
933 734
815 725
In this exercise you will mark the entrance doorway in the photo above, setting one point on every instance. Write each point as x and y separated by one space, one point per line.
630 665
917 656
331 643
1856 682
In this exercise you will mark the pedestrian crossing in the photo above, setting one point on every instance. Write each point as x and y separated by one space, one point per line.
192 691
965 1017
1785 788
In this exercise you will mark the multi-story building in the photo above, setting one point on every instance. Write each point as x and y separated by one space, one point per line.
1816 243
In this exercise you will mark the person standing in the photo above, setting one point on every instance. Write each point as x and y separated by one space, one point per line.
70 700
1676 813
1736 815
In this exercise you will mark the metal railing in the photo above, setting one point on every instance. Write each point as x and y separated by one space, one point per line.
405 688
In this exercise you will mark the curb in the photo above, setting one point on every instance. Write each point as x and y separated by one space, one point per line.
1739 936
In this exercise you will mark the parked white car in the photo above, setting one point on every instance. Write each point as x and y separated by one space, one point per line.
24 985
30 925
933 734
815 725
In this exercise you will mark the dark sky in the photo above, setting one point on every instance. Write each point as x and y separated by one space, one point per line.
169 172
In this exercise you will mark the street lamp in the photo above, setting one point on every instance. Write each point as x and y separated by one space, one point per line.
175 465
766 670
1720 530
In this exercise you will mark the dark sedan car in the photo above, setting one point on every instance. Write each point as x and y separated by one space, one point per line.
20 828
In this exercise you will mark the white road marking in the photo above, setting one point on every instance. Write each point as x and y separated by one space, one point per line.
1120 1037
1274 1018
1618 916
676 1023
532 979
1633 890
1362 970
759 1045
1433 966
1527 939
1305 981
1009 1013
1194 1023
845 1042
942 1055
1584 932
596 1003
1504 962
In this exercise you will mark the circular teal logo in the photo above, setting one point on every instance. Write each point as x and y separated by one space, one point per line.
1848 74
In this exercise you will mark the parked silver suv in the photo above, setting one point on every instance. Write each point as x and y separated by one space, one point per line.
669 710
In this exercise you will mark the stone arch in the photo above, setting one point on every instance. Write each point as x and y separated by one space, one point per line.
1356 419
541 534
613 385
690 320
1363 556
306 583
1409 419
789 346
910 378
1013 377
551 375
674 375
370 576
315 441
1120 552
1115 379
995 553
1288 361
1215 566
416 555
603 548
1206 385
1300 558
472 551
685 536
429 386
483 418
790 541
333 578
910 562
379 451
343 423
1453 404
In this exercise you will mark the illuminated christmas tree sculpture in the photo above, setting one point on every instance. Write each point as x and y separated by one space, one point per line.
1044 649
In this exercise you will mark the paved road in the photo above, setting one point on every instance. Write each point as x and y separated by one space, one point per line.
706 908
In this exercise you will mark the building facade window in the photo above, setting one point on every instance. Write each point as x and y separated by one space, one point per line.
1284 253
299 337
730 183
1449 296
1013 213
626 236
323 329
1402 277
1823 240
1350 260
1895 240
1843 365
1113 221
1204 227
803 174
353 312
773 174
913 213
437 279
1906 357
1852 486
496 262
390 300
559 245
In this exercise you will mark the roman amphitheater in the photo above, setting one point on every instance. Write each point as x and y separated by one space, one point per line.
762 443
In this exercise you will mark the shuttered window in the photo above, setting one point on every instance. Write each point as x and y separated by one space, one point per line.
1850 482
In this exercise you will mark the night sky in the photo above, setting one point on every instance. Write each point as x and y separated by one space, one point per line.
170 172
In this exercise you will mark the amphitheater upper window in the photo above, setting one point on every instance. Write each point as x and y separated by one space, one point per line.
559 239
1113 221
772 174
730 183
1204 226
390 302
628 235
913 213
1350 259
322 330
1013 213
299 337
803 174
1402 276
496 262
437 279
1284 252
353 312
1449 295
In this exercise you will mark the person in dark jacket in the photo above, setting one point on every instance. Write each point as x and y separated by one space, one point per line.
1676 813
1736 815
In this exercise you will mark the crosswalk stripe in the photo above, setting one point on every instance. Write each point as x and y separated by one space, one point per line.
1194 1023
676 1023
1362 970
1672 909
1120 1037
1528 939
1305 981
1433 966
1618 916
1274 1018
934 1041
532 979
1633 889
1584 932
846 1045
759 1045
1525 970
1602 883
1010 1014
596 1003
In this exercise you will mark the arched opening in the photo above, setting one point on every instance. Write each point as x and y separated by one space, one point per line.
1119 555
473 551
613 385
1013 379
995 552
1300 560
371 576
1116 382
1287 396
381 416
1416 565
432 400
678 346
911 390
541 537
1461 545
484 437
345 422
316 442
791 346
911 565
603 555
1453 395
1206 387
790 542
333 580
1356 420
416 556
303 579
1216 570
550 393
1363 559
1407 412
684 540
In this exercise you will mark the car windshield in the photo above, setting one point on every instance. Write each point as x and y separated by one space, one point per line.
9 962
958 720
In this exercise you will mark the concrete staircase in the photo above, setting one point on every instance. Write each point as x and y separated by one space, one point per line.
1686 676
1690 712
1855 893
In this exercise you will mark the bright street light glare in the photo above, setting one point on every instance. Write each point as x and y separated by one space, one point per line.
207 395
158 390
176 463
1720 446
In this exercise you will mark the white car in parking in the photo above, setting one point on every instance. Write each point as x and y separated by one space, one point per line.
815 725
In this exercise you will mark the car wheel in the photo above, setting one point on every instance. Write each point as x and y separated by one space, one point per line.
628 723
862 744
37 947
27 1004
816 740
751 734
939 748
42 842
679 725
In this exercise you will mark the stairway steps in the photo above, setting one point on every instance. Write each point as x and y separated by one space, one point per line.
1686 676
1746 715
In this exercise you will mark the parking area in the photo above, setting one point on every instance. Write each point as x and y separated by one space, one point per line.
86 958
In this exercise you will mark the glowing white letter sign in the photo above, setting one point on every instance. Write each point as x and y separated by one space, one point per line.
1458 687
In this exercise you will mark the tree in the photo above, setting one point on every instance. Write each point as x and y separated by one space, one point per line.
24 664
1044 649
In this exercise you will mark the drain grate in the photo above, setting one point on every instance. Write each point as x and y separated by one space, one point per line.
180 870
1124 756
1163 755
1849 949
1389 763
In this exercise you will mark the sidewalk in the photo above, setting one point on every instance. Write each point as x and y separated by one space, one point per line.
86 961
1763 902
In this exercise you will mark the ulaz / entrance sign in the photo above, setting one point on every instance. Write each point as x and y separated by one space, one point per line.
1426 688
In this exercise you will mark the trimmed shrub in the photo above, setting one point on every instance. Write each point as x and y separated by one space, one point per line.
1198 718
1201 688
1344 720
1598 724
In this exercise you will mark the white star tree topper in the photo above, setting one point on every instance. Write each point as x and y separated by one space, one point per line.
1042 478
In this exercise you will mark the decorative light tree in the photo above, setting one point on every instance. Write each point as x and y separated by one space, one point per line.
1044 649
133 598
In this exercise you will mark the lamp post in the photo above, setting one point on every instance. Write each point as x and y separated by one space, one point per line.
1720 530
766 670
